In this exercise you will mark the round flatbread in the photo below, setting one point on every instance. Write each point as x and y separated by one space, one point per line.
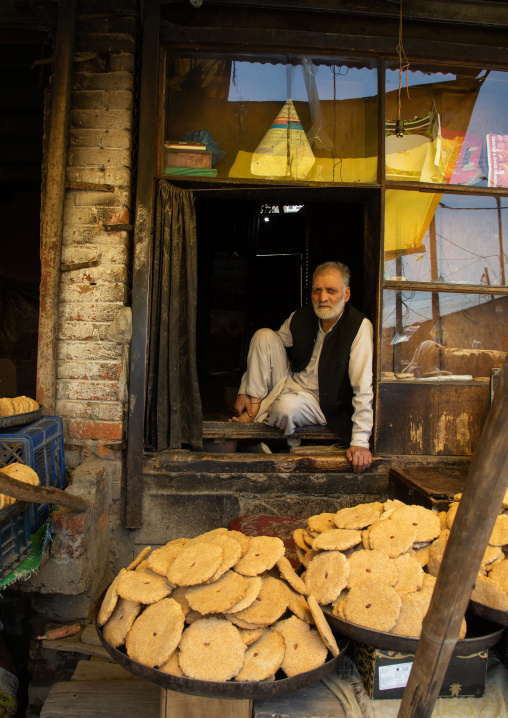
322 625
337 540
143 587
373 605
392 537
371 565
358 517
263 658
156 633
298 605
196 562
172 666
305 649
499 536
118 625
269 605
326 576
410 574
254 584
263 553
218 596
110 599
425 521
211 649
288 572
231 552
321 522
161 558
139 558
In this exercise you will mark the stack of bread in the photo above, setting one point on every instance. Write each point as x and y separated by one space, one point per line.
21 472
217 607
18 405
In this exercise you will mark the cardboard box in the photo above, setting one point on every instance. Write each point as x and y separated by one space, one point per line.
385 673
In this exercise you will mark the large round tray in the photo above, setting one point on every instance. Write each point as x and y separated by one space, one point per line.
481 634
8 422
489 614
222 689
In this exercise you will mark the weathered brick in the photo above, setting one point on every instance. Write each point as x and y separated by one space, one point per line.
102 274
121 61
83 331
98 312
85 351
117 176
102 81
89 370
116 139
99 430
83 235
93 293
108 410
103 521
87 24
104 450
89 100
108 255
63 546
105 157
69 522
98 216
106 44
120 100
74 409
93 390
95 119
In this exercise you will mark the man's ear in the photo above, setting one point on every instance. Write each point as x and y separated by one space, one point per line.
347 294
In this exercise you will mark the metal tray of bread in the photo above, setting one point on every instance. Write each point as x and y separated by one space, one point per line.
489 614
223 689
9 422
481 634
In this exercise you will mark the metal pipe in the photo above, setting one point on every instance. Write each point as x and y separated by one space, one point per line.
53 205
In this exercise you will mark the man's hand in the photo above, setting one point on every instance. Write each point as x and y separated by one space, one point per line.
243 403
360 458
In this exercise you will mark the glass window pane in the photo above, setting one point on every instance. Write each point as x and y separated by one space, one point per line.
454 126
434 336
287 118
446 237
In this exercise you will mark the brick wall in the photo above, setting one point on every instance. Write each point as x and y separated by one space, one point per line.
91 369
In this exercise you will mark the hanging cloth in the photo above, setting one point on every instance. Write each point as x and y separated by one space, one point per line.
173 405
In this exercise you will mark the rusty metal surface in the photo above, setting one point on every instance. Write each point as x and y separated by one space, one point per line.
487 613
481 634
222 689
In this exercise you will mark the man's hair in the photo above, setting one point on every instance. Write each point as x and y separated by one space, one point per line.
343 269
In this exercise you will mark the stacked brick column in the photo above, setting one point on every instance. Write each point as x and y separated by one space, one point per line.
89 371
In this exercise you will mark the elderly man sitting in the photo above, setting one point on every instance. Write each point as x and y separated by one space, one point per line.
316 369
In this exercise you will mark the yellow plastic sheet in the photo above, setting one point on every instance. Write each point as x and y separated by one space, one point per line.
407 218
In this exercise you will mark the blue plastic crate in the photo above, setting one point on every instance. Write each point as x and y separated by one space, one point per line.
39 445
15 540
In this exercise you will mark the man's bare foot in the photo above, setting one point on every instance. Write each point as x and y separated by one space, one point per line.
245 418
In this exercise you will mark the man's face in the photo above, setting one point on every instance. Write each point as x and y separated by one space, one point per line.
328 294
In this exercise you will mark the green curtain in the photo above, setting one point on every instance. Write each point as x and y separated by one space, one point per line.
173 405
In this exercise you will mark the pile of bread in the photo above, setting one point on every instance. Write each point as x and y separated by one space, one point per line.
21 472
18 405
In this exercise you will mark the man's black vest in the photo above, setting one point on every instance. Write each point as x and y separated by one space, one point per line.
335 390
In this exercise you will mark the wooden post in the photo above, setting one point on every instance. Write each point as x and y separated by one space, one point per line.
479 507
53 209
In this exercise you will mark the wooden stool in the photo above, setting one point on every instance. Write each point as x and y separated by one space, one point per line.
181 705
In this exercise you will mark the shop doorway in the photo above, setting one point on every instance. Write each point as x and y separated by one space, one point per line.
255 264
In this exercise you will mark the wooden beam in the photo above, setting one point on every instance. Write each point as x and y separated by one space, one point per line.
53 206
444 287
478 509
40 494
143 242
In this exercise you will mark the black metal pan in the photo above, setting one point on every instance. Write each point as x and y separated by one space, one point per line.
481 634
489 614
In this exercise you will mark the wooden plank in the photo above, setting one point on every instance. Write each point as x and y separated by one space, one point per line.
102 699
74 645
444 287
238 430
142 264
179 705
41 494
316 700
100 671
430 418
90 636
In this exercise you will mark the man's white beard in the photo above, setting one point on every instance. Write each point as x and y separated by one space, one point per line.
335 309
